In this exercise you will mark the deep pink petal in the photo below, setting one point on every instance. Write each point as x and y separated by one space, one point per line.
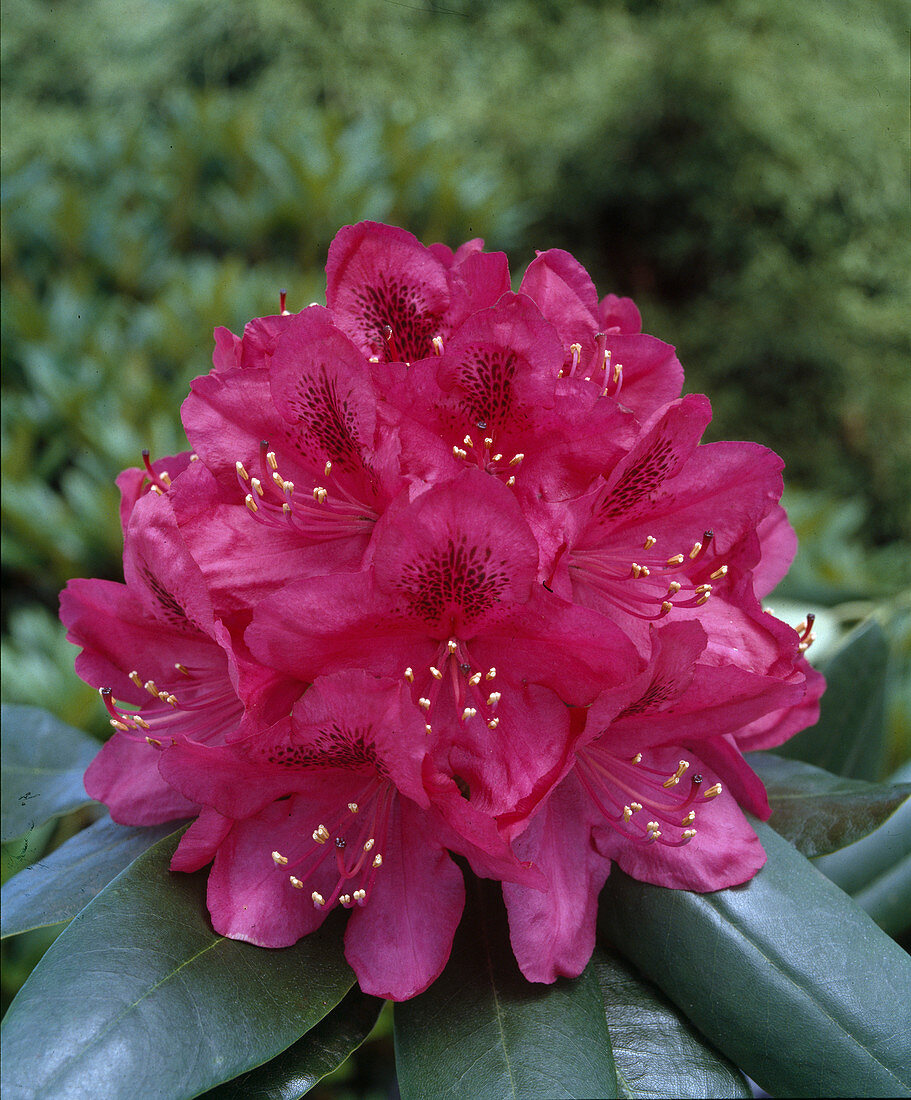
227 353
134 482
553 933
619 315
201 841
124 776
778 541
377 276
400 941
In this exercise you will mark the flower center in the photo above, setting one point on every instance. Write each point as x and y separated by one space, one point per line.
643 804
354 841
469 686
486 458
319 514
599 369
652 586
206 709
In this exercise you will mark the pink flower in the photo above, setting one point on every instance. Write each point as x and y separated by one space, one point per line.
154 645
330 807
448 571
643 791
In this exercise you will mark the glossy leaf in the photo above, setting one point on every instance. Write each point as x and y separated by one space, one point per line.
785 975
57 887
849 737
295 1071
483 1031
820 812
657 1051
876 871
43 764
138 993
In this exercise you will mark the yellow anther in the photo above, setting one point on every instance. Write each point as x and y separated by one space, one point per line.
360 895
150 687
488 441
327 469
180 668
428 728
278 479
409 674
171 700
295 882
194 457
627 813
435 673
369 844
721 571
118 725
700 588
437 342
154 742
286 509
321 834
288 487
143 725
344 899
646 572
452 645
377 860
635 807
497 457
517 458
468 441
134 676
703 599
712 792
490 673
618 370
649 542
576 349
154 489
279 858
317 898
468 712
637 759
653 827
677 559
474 679
689 819
241 472
492 723
697 546
459 452
688 834
320 494
666 607
373 359
636 570
251 503
673 588
165 477
424 703
353 807
257 486
678 774
272 460
510 481
494 698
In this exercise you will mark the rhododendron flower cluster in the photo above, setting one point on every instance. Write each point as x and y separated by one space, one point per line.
447 573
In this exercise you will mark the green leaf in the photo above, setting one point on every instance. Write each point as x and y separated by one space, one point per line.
849 738
656 1050
820 812
785 975
876 871
139 995
57 887
43 764
483 1031
295 1071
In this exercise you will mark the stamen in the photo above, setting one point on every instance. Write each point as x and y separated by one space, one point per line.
279 858
317 898
241 472
676 777
321 834
468 712
490 674
649 542
720 572
435 673
377 860
409 674
493 723
295 882
353 807
437 342
369 844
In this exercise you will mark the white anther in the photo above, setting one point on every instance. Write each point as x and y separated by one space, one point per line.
377 860
251 503
719 572
241 472
272 460
510 481
353 807
327 469
468 441
437 342
497 457
409 674
494 698
489 675
650 541
423 703
468 712
697 546
474 679
279 858
677 559
318 900
320 494
359 896
452 645
369 844
435 673
516 458
295 882
257 486
492 723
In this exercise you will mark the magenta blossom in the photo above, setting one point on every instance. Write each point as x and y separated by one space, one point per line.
643 791
330 807
447 572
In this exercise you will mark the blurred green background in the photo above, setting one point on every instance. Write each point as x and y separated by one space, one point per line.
739 167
